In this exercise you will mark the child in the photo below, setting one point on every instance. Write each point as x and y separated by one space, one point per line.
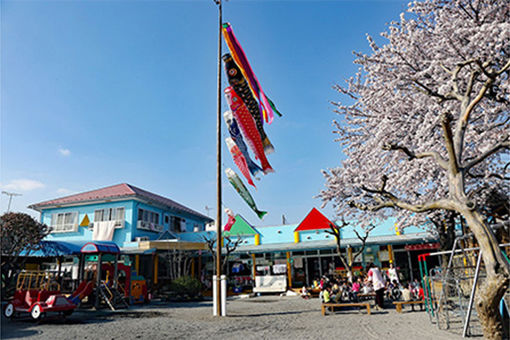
406 293
304 293
356 287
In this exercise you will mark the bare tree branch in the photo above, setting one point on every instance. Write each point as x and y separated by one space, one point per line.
363 239
411 155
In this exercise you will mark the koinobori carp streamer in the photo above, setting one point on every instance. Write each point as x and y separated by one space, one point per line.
248 127
237 137
231 220
239 160
238 184
240 85
240 58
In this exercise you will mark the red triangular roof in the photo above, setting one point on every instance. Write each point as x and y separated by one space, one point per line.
313 221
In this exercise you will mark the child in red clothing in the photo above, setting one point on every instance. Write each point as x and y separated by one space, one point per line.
421 295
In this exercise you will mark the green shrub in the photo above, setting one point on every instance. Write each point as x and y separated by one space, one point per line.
186 285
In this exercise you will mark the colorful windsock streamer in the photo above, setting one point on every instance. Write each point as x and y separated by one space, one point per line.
248 127
236 135
240 85
239 160
238 184
231 220
241 60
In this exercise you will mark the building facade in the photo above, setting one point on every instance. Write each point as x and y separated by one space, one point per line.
132 214
147 226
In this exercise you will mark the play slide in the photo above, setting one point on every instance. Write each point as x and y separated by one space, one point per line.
83 290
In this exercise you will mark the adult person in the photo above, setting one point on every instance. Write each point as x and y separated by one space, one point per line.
375 276
393 274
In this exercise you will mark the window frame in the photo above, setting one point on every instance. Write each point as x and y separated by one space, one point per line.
64 227
108 213
149 217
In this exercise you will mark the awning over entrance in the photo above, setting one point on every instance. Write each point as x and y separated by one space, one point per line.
56 249
100 247
171 244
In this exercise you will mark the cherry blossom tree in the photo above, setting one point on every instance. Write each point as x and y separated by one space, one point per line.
424 126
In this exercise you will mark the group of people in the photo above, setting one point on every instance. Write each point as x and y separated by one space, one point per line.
375 281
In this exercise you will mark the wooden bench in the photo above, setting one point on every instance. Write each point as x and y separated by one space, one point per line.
398 304
366 296
347 304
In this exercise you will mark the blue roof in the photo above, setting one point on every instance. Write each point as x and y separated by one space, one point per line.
67 248
101 247
56 248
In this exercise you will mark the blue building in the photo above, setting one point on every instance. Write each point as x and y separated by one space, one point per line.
121 213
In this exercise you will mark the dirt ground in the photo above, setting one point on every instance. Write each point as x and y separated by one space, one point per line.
264 317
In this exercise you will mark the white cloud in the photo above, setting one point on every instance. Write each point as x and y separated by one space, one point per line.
63 191
23 185
64 152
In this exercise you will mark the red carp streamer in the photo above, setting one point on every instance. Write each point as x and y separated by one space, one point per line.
248 127
239 159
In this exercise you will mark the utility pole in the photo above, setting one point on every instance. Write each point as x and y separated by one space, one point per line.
218 170
10 194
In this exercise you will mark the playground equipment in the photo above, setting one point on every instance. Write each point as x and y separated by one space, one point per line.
139 292
133 287
450 291
38 292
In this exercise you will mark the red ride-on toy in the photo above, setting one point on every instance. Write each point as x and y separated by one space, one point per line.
38 293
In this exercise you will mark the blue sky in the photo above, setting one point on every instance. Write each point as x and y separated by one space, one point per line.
96 93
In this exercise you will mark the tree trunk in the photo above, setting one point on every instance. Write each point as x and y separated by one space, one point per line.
345 263
498 276
445 227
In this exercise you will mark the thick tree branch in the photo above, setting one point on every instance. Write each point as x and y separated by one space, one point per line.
448 137
498 176
434 205
428 91
411 155
391 201
504 144
464 120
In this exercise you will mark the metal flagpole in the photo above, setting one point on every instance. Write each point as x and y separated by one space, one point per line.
218 174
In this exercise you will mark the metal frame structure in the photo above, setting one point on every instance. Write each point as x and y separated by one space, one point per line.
452 286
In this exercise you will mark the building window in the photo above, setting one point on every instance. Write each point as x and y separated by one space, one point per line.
177 224
148 216
64 222
110 214
167 219
148 220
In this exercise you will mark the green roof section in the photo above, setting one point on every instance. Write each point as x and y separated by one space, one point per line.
241 228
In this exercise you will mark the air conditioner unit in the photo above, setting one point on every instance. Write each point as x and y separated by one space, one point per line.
142 238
